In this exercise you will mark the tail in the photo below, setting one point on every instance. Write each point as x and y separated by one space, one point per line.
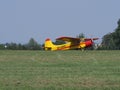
49 45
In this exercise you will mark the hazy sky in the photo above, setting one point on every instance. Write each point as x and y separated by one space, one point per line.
22 19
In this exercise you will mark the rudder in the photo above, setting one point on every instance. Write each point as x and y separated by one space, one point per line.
48 44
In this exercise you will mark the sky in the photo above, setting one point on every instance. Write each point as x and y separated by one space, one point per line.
21 20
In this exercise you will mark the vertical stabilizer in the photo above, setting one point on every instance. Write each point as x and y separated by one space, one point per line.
49 45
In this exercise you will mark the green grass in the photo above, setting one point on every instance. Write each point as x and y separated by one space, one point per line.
59 70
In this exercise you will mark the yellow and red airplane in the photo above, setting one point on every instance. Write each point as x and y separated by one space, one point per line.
71 43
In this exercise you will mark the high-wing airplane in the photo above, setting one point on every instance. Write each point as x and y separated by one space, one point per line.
71 43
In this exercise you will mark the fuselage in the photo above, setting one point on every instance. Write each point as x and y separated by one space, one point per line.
81 45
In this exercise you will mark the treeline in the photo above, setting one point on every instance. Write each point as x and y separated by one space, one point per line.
31 45
111 41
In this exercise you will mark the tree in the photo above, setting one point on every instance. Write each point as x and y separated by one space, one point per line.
81 35
12 46
33 45
112 40
108 41
2 46
117 35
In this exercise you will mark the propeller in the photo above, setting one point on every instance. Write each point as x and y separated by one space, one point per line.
94 45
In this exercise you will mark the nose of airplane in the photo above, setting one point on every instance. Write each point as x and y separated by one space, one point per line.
88 43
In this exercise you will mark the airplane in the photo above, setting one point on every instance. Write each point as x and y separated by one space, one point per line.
71 43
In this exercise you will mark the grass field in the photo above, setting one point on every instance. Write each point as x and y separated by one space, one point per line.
59 70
